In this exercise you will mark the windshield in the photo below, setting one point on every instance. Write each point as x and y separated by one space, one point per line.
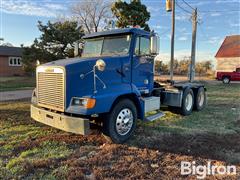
107 46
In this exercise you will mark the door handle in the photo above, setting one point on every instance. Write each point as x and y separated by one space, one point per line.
120 72
126 67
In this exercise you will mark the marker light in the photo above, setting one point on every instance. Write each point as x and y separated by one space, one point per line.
89 103
38 63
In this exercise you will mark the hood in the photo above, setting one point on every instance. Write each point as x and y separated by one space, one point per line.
76 68
69 61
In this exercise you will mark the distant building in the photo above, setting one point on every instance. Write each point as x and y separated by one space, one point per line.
11 61
228 55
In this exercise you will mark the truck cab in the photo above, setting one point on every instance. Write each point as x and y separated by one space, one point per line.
111 83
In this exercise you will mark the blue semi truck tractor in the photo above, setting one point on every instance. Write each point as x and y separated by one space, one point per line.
111 84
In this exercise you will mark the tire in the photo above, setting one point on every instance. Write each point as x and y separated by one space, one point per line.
200 99
115 128
226 80
187 102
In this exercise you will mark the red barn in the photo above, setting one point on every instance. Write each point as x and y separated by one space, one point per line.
228 55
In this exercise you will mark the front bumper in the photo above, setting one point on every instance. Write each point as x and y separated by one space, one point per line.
59 121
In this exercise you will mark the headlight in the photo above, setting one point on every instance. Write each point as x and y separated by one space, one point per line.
76 101
84 102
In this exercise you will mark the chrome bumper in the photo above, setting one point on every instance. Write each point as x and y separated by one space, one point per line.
59 121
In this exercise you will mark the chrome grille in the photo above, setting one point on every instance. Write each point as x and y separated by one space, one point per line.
50 87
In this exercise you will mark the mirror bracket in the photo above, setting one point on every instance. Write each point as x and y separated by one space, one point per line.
100 65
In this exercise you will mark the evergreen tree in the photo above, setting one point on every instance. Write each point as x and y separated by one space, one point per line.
56 42
131 14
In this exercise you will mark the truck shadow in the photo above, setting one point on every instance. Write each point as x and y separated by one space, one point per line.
224 147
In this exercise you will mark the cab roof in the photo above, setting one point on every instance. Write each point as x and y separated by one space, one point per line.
118 31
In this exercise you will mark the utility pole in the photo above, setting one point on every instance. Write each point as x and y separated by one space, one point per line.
172 40
193 53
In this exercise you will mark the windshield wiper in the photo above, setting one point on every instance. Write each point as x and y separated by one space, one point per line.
114 54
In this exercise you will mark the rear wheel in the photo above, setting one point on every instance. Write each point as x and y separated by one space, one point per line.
200 100
120 123
187 102
226 80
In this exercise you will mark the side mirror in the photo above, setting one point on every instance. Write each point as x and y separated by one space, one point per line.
154 45
100 64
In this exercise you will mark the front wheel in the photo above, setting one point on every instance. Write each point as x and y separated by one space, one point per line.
120 123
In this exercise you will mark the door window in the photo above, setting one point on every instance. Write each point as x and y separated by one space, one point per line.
142 46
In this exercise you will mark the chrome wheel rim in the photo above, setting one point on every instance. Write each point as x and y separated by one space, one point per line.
189 102
124 121
225 80
201 98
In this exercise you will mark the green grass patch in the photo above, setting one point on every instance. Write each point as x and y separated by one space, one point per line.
47 149
219 116
16 127
16 83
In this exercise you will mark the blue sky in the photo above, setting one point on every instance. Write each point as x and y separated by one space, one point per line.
217 19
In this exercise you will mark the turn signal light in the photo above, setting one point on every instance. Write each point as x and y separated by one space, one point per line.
90 103
85 102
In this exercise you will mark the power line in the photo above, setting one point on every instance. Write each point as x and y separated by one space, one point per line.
203 34
217 11
234 10
164 32
183 8
206 11
188 4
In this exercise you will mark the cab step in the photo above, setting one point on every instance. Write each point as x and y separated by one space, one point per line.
154 117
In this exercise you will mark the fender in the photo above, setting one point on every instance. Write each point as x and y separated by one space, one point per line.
105 99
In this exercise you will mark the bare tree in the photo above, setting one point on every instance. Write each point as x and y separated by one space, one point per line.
91 13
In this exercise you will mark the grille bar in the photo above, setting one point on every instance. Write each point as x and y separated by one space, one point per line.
50 88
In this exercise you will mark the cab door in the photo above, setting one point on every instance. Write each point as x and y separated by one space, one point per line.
236 75
142 65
